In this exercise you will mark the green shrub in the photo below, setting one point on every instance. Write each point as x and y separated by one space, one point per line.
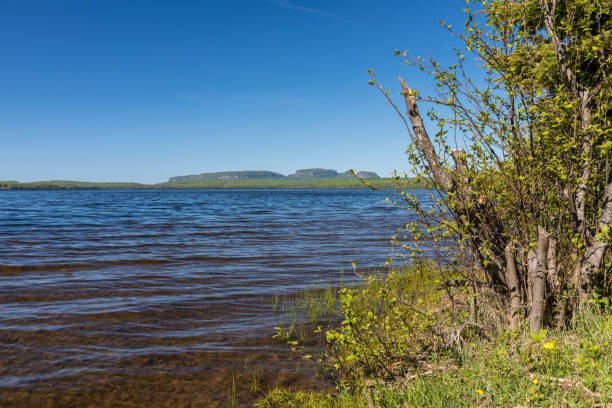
564 368
393 349
389 326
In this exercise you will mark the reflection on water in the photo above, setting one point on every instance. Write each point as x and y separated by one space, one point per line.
159 297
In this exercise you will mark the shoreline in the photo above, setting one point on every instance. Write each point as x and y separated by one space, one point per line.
319 183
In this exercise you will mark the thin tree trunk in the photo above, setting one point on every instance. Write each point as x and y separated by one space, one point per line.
583 184
532 267
554 281
461 169
582 93
553 273
538 301
595 251
474 308
513 286
525 281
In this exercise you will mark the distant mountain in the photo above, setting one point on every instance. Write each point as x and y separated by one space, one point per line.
367 175
230 175
302 174
314 173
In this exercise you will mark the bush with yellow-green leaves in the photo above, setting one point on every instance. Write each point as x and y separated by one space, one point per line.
570 367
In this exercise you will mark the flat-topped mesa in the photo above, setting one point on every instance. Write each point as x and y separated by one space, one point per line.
230 175
317 173
302 174
367 175
359 174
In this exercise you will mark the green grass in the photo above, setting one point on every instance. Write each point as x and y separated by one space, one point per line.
563 368
512 370
299 313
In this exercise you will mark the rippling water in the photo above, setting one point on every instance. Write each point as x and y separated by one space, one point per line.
157 297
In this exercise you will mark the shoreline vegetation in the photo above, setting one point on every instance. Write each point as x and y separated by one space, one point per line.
398 340
302 179
313 183
513 306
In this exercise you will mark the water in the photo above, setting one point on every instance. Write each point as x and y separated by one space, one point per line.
162 297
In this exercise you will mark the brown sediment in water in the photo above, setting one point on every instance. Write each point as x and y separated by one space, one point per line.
194 382
191 389
159 358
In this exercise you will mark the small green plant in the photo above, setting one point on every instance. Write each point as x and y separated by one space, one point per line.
232 401
389 326
256 375
284 334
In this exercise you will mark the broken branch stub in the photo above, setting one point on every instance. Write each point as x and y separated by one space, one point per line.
425 145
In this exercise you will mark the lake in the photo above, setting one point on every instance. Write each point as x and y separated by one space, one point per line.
164 297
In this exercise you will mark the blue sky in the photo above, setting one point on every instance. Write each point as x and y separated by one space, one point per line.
145 90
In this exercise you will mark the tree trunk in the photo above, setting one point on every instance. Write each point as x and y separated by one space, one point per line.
588 266
554 281
514 288
532 267
595 251
538 291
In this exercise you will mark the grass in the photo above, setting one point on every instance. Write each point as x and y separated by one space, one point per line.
232 401
511 370
562 368
304 310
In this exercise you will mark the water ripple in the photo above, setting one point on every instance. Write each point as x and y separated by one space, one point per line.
109 285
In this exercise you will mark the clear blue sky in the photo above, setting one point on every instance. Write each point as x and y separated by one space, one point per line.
144 90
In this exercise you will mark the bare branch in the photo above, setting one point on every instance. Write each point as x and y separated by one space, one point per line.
549 23
422 139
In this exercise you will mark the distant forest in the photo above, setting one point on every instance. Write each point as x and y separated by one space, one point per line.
221 183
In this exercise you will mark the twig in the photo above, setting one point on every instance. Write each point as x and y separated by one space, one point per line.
459 334
568 382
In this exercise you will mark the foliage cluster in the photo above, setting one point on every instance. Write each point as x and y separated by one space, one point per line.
385 326
520 156
511 368
519 159
388 326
